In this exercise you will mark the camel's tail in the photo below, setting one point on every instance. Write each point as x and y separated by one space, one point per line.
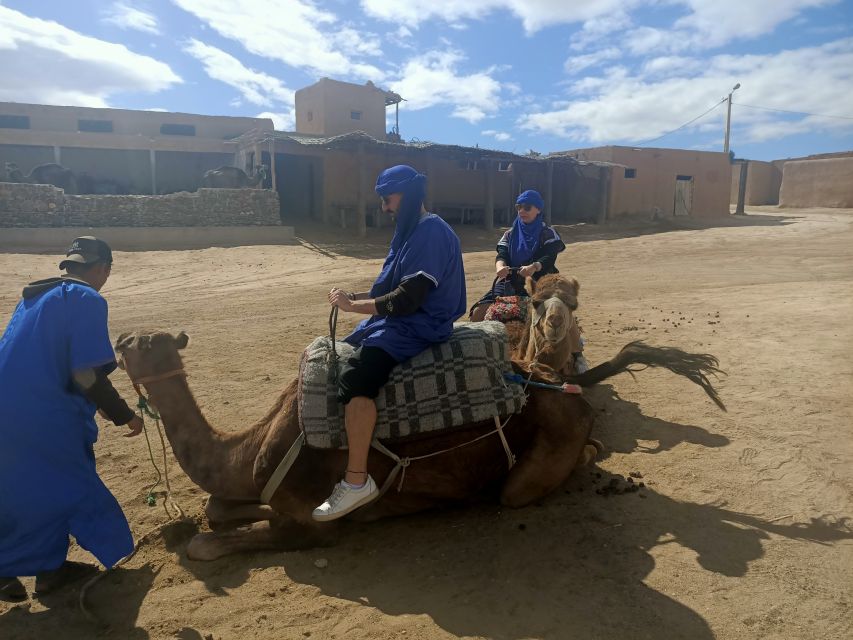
696 367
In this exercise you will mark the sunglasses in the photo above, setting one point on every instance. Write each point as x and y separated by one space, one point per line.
523 207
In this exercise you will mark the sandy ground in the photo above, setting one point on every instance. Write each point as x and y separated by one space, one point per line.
743 529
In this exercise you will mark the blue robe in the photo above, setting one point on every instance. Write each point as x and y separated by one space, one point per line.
433 250
49 487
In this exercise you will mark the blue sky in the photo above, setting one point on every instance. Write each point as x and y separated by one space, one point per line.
545 75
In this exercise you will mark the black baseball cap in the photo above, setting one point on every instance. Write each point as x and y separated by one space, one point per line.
87 250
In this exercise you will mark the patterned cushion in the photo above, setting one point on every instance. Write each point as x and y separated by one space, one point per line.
451 384
508 309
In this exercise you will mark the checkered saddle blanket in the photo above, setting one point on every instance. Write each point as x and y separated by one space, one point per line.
449 385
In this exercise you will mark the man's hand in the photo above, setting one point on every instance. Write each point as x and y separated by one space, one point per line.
341 299
501 270
135 425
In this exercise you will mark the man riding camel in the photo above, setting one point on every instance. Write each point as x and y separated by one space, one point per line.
412 305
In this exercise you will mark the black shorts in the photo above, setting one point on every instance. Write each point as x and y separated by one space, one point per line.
364 373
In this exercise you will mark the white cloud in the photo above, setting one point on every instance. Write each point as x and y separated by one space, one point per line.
45 62
618 107
255 86
706 23
434 79
501 136
576 64
671 65
295 32
126 17
282 121
709 25
534 14
720 21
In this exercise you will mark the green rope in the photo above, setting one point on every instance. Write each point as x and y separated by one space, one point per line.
150 499
145 409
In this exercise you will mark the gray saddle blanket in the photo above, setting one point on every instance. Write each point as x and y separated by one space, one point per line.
449 385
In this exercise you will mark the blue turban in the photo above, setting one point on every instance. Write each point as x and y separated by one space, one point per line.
531 197
407 181
524 237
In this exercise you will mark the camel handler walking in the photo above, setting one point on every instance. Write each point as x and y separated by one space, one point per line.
55 356
412 305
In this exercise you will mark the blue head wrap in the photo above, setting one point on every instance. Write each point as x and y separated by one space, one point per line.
524 237
406 180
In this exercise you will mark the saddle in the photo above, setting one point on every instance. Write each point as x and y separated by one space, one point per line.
448 385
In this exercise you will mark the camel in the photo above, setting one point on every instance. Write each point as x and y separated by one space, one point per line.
50 173
550 437
234 178
550 335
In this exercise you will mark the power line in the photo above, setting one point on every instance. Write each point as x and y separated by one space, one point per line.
801 113
640 144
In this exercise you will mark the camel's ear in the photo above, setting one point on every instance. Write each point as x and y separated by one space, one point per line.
573 282
124 341
181 340
530 286
538 311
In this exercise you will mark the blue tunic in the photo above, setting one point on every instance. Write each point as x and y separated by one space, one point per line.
432 250
49 487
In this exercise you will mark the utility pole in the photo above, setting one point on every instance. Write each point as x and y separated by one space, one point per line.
729 118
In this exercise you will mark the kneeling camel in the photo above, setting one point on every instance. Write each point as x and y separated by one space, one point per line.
550 438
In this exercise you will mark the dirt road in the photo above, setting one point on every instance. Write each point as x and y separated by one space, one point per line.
742 531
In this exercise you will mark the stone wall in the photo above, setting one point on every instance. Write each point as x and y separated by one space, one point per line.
31 205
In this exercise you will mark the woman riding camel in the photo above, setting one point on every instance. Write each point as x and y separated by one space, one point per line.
529 248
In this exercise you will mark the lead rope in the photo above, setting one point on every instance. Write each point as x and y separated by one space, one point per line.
146 409
333 355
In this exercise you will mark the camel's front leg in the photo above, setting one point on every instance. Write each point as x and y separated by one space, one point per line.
223 513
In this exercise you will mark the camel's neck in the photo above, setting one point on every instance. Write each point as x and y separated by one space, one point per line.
219 463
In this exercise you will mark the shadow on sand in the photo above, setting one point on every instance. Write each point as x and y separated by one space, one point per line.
575 565
62 617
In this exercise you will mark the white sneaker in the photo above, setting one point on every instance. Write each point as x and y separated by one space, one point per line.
581 365
345 499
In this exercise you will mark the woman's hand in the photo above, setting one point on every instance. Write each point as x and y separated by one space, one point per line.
529 269
501 270
340 299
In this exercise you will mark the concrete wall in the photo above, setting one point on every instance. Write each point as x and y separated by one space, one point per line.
653 187
128 122
26 205
817 183
332 103
763 181
308 105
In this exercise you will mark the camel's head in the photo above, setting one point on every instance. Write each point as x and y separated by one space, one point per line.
553 300
146 355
